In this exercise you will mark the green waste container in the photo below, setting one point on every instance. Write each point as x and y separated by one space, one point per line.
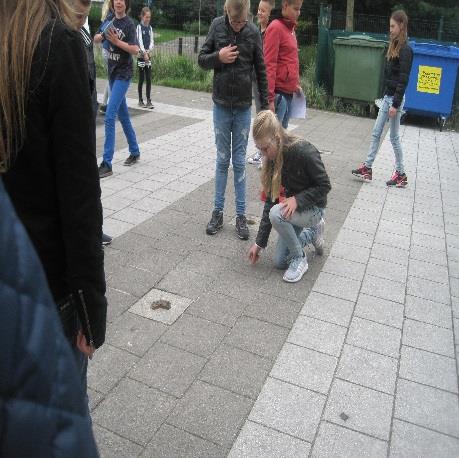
359 67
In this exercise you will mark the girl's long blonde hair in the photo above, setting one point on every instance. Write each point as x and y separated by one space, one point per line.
21 24
105 9
266 126
396 44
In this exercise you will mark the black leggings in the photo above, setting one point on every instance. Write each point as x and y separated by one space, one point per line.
145 73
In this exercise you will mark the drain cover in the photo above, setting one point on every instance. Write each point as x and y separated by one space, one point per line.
160 304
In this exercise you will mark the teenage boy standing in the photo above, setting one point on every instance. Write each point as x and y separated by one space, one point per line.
233 50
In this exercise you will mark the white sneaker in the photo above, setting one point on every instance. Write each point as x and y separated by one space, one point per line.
296 269
255 159
318 241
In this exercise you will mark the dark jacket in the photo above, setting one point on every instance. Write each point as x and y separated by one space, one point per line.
53 180
397 73
303 176
43 412
232 85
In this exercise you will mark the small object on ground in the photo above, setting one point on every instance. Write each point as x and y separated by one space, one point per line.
344 417
161 304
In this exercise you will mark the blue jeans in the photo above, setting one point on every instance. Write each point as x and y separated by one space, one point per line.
282 103
394 125
117 106
232 127
294 233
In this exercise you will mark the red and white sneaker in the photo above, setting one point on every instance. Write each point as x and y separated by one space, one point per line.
363 172
400 180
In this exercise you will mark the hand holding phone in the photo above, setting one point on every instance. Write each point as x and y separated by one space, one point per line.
228 54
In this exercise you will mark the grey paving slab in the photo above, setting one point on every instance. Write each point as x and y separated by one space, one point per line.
344 268
335 441
379 310
428 311
393 227
453 268
185 283
386 269
428 229
434 243
365 410
170 441
428 337
429 369
328 308
103 375
367 368
110 444
354 237
453 253
412 441
288 409
305 368
434 256
426 406
454 285
333 285
136 282
347 251
385 289
134 411
168 369
393 240
195 335
211 412
134 333
388 253
374 337
317 335
259 337
118 303
236 370
94 398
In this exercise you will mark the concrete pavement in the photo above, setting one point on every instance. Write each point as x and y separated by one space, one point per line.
357 359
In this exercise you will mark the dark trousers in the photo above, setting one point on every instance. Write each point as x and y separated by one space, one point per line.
145 74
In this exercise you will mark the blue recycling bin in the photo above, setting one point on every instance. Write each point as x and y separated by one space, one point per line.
430 90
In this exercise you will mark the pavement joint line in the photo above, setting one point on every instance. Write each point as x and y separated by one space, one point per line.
429 386
427 322
118 434
151 387
288 382
193 434
426 427
379 322
278 431
323 320
356 431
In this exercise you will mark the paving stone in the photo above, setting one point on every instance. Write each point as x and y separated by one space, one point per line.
132 215
453 253
428 337
263 339
453 268
103 374
454 284
173 442
335 441
195 335
236 370
333 285
379 310
134 333
94 398
385 289
168 369
115 227
130 280
428 229
455 303
388 253
434 243
397 217
118 303
426 406
110 444
386 269
185 283
434 256
428 311
211 413
133 410
367 368
398 228
367 411
393 240
428 271
361 224
344 268
317 335
375 337
288 409
347 251
258 441
354 237
413 441
428 368
328 308
305 368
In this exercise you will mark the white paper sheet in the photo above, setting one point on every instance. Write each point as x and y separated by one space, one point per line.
298 106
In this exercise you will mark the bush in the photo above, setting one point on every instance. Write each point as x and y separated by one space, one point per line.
193 28
304 32
94 17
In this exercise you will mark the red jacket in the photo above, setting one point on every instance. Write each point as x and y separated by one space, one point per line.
281 57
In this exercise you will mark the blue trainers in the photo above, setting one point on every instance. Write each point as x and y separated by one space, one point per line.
296 269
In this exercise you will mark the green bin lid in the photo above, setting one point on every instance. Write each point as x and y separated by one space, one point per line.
360 40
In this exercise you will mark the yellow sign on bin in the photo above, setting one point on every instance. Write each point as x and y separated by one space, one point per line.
429 79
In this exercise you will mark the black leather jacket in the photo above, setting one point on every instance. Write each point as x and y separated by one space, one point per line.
397 73
303 176
232 85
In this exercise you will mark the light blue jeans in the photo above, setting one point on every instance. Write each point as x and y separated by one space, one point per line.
394 125
282 104
294 233
232 127
117 106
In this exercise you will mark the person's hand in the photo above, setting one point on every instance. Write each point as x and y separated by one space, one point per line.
228 54
98 38
146 56
112 37
254 253
289 207
392 112
83 346
271 106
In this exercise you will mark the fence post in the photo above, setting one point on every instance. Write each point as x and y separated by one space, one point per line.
440 29
180 46
322 59
196 42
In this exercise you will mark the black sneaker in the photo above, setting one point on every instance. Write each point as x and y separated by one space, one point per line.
150 105
102 109
242 230
216 222
106 239
141 104
131 160
105 170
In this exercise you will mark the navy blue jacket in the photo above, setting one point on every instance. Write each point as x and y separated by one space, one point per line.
42 409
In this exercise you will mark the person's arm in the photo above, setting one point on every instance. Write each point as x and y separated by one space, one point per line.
140 38
72 144
130 47
152 40
315 169
208 56
264 230
260 72
406 59
271 55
